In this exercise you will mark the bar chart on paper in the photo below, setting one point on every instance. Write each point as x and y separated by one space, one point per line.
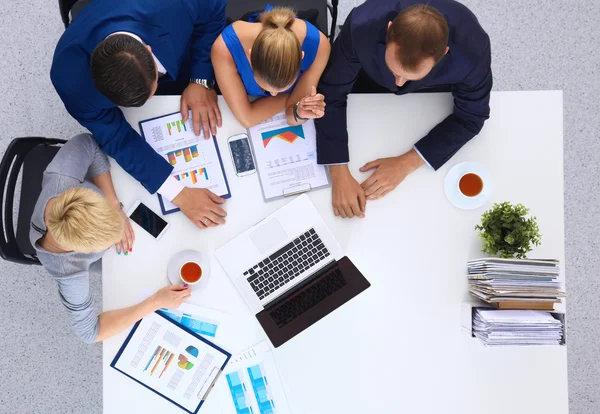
192 176
200 324
183 154
253 383
196 161
159 361
259 388
178 125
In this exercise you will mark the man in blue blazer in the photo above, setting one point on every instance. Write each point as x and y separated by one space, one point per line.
119 53
402 46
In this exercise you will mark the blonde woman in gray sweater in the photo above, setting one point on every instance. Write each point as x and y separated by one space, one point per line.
77 218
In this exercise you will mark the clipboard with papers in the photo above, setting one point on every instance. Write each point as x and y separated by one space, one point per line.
286 157
196 161
172 361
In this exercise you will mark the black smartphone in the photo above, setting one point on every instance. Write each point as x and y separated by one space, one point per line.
148 220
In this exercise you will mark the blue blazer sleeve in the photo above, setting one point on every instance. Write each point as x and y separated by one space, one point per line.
116 137
471 110
335 84
209 22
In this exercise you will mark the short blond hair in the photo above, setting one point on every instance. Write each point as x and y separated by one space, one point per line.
276 55
80 219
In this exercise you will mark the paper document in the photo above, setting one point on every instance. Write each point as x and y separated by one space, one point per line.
516 327
196 161
203 321
170 361
252 384
286 157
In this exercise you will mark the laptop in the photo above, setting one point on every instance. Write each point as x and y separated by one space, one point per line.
290 270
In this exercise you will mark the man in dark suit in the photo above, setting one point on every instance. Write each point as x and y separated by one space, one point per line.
119 53
403 46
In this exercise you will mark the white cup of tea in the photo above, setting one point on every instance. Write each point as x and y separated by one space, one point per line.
190 272
470 184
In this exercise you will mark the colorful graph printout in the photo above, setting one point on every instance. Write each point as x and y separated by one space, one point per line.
194 175
188 153
253 383
262 392
179 125
287 134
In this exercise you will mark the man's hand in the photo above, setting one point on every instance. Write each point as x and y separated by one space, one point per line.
205 109
201 206
389 172
348 196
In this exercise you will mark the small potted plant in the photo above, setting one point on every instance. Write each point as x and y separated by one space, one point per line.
507 232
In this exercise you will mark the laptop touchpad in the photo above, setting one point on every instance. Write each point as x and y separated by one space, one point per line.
268 236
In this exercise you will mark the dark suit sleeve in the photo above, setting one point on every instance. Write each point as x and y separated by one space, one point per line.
471 109
116 137
209 22
336 83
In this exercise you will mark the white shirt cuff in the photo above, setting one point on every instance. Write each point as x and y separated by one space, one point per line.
420 155
170 188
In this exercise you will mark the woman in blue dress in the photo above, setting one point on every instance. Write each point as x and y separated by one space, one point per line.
279 58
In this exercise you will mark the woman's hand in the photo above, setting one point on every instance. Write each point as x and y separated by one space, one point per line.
171 296
126 244
312 105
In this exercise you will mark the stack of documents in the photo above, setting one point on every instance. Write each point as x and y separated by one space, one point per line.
516 283
495 327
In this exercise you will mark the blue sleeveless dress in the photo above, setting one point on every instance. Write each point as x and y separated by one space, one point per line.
309 47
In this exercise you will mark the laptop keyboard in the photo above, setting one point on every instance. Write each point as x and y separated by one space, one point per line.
308 298
286 264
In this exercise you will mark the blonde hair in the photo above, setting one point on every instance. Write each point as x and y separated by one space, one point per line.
276 55
80 219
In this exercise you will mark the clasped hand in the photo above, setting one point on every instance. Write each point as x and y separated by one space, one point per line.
349 197
312 105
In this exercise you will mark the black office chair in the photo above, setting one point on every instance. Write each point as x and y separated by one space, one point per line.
65 7
33 154
239 9
236 9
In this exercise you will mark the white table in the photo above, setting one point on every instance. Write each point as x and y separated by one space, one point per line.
398 347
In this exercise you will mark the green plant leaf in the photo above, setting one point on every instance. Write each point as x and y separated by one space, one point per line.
507 232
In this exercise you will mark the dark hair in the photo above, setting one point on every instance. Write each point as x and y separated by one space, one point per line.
419 32
123 70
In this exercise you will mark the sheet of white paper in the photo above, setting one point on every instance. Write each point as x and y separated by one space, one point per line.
252 383
286 157
203 321
171 361
194 159
519 316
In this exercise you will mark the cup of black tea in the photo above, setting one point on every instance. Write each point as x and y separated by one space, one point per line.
470 185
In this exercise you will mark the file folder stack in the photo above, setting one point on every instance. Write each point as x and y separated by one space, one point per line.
496 327
516 283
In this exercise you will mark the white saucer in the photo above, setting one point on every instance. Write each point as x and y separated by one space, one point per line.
188 256
457 198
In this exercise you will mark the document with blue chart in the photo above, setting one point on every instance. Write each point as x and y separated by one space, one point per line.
172 361
252 384
286 157
216 326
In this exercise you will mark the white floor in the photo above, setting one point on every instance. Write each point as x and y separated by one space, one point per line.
536 45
